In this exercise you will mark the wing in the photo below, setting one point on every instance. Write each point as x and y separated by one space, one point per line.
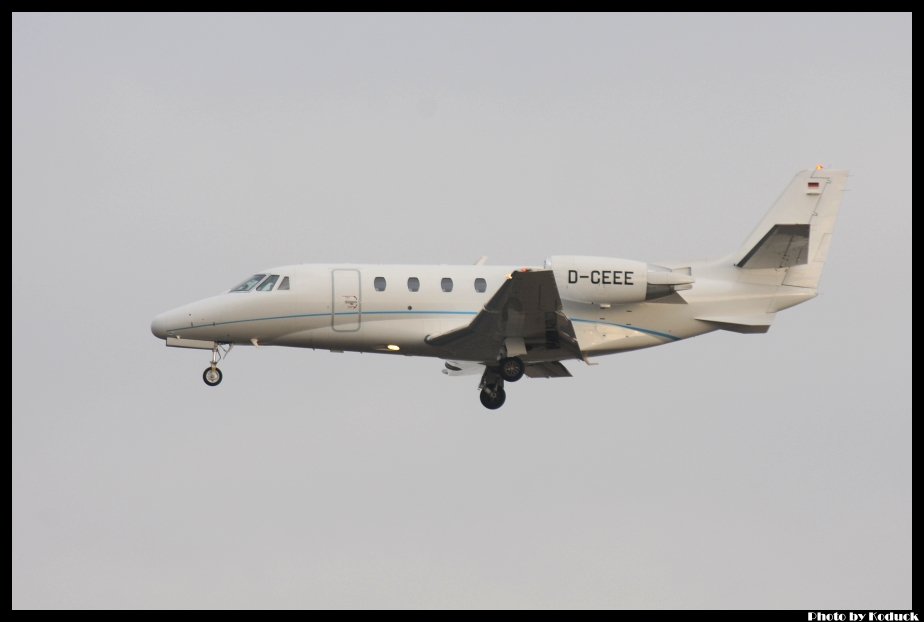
550 369
523 318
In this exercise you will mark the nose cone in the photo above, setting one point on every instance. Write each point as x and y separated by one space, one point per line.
159 326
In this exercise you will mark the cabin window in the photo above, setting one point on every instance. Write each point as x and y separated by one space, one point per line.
379 283
249 284
413 284
481 286
267 285
446 284
284 284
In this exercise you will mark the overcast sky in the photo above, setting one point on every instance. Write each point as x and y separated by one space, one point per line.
159 159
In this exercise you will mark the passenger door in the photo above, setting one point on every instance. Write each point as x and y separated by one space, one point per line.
346 306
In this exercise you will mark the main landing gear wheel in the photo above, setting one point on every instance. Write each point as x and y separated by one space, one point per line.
212 376
493 398
512 369
492 389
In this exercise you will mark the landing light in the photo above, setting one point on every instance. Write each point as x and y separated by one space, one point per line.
393 347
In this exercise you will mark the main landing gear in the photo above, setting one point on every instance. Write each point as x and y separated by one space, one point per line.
512 369
212 375
509 369
493 395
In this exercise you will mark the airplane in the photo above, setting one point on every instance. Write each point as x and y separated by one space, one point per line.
509 321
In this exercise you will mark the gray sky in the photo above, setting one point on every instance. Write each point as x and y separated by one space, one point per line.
160 159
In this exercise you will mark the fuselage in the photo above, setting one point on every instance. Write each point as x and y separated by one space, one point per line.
394 308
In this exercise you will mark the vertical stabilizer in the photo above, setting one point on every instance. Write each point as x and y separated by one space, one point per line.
796 232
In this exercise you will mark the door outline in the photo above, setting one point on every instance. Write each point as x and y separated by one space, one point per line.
345 300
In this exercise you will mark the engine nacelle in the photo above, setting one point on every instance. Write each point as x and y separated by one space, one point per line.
609 281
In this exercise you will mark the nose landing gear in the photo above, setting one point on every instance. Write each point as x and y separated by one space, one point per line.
212 375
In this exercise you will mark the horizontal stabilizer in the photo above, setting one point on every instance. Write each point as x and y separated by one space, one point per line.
756 323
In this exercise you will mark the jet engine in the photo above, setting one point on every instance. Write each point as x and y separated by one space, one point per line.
607 281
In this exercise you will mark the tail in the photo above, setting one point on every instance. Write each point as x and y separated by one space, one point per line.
795 234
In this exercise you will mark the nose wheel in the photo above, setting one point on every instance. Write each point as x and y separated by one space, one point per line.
212 376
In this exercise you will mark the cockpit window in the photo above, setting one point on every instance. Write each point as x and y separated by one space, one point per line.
249 284
284 284
267 285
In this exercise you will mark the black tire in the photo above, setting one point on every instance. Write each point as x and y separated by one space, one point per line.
493 402
215 378
512 369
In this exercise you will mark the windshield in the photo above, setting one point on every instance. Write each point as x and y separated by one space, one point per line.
249 284
267 285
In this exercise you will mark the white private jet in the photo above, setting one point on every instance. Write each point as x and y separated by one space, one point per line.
510 321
